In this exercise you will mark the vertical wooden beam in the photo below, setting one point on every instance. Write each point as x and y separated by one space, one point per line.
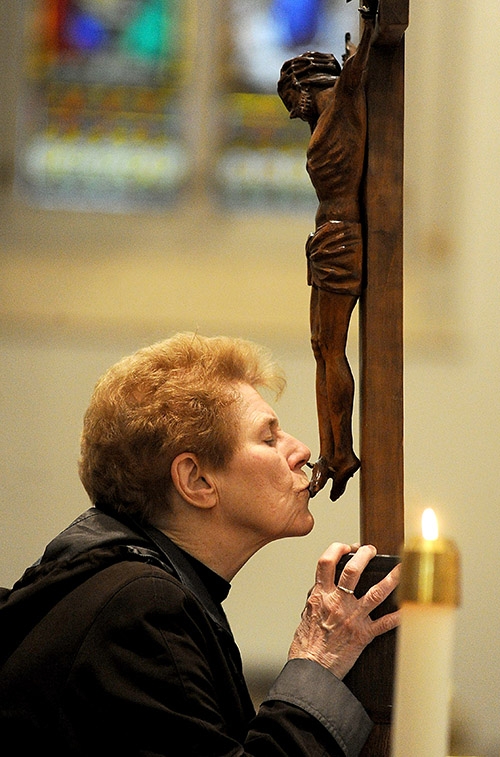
381 304
381 358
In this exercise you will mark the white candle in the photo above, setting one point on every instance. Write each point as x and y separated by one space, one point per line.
428 597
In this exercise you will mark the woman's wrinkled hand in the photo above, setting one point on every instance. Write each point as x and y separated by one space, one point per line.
335 625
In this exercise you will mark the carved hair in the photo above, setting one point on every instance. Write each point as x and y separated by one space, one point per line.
310 68
179 395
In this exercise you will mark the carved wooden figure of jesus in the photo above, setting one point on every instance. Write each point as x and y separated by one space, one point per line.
332 100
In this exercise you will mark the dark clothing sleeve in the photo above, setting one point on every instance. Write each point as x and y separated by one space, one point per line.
311 687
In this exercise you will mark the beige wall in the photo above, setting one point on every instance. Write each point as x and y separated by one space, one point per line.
78 291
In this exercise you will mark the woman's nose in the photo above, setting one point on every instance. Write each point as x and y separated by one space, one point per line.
299 453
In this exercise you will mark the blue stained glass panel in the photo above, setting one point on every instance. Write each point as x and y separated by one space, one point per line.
297 21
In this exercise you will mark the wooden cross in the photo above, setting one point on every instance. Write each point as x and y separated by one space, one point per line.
381 303
355 162
381 350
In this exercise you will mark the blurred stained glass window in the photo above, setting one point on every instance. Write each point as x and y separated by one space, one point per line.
99 125
262 157
103 121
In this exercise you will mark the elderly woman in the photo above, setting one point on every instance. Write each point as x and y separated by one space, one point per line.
115 642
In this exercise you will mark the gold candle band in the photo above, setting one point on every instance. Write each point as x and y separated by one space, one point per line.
430 572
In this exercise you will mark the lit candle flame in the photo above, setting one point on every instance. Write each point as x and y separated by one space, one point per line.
430 529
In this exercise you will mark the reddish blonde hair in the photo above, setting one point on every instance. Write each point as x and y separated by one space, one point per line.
178 395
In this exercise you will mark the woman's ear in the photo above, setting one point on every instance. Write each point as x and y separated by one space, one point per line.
192 482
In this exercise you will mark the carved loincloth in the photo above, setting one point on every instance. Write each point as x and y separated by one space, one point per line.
335 257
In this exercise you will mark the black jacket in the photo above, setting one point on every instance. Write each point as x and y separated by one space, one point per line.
115 643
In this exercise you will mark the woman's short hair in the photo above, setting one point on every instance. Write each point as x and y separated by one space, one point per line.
178 395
